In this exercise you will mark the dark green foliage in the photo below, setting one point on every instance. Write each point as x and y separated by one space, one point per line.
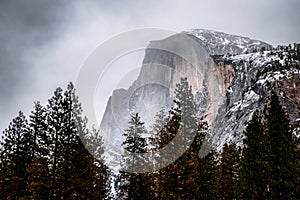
206 178
48 159
55 156
186 177
254 171
282 150
132 185
16 156
134 141
228 181
39 168
269 165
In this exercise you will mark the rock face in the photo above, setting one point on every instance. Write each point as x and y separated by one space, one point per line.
218 43
256 75
229 83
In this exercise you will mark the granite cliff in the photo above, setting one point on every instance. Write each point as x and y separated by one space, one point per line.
231 77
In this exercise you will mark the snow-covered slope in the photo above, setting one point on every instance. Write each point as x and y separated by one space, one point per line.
222 43
256 74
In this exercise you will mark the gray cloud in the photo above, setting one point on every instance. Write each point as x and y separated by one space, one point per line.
43 43
23 25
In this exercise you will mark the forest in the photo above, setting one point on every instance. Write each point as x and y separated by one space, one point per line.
52 154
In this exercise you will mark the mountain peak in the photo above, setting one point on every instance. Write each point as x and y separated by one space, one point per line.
219 43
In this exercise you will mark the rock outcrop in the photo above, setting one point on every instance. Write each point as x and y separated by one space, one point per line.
230 80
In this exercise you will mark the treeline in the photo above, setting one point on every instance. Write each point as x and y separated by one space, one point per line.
50 155
267 167
45 156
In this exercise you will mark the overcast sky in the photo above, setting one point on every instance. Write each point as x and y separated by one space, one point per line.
44 43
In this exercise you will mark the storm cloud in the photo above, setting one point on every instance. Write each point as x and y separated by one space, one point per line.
43 43
24 25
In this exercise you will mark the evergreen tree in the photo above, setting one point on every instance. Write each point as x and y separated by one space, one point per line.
72 123
55 124
270 165
228 172
282 150
254 171
48 159
205 182
159 130
189 164
160 137
39 168
131 185
174 180
91 172
16 156
82 176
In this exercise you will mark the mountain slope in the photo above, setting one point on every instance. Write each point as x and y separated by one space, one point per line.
231 76
256 75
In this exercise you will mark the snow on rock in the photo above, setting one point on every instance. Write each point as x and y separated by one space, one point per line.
222 43
229 85
256 74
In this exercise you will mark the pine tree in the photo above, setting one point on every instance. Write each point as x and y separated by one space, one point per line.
16 156
77 164
48 159
270 165
160 138
91 172
64 124
131 185
190 125
55 124
159 131
175 179
205 182
282 150
228 172
254 170
39 168
71 123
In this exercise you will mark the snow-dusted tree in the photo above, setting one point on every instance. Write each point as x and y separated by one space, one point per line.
131 185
